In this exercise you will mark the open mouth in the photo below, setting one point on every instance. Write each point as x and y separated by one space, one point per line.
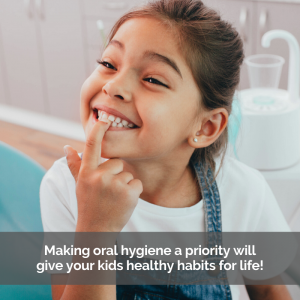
115 121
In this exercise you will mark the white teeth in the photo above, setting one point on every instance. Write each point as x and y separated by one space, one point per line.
116 121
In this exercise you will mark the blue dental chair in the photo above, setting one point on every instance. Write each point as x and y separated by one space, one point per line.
20 179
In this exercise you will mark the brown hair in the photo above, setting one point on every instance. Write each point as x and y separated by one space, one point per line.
213 51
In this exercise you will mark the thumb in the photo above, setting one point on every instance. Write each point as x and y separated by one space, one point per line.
74 161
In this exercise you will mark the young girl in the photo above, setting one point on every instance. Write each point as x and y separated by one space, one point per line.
157 109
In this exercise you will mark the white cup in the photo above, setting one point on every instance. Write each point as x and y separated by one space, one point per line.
264 70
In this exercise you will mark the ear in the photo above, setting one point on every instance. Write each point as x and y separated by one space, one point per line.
211 126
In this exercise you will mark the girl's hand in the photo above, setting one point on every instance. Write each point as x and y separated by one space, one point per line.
106 195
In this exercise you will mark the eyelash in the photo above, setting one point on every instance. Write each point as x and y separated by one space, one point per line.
105 63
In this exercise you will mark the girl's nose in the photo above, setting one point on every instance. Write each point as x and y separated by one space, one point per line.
119 88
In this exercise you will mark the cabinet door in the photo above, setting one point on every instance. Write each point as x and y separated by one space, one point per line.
278 16
241 15
63 53
22 58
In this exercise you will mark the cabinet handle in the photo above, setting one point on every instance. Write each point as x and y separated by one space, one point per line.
262 23
115 5
40 8
28 8
243 22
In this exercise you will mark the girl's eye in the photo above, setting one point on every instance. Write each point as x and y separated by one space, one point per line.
155 81
110 66
106 64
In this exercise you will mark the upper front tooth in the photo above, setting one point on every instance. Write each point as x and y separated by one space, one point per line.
118 121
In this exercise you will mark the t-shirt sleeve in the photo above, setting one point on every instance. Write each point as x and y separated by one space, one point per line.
58 210
56 193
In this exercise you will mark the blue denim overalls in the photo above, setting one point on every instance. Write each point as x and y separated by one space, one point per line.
173 289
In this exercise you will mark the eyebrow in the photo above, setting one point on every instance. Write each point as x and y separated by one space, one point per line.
150 55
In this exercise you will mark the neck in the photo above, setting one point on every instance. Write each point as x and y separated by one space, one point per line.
165 183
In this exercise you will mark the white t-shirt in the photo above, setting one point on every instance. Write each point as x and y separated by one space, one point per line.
247 205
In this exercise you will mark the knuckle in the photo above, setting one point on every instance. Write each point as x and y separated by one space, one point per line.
127 193
103 178
117 182
90 142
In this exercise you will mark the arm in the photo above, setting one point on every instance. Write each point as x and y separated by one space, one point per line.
268 292
74 292
106 198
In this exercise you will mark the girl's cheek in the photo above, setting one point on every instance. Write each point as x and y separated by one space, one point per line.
86 92
90 88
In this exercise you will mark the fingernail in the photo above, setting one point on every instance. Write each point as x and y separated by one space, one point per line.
66 150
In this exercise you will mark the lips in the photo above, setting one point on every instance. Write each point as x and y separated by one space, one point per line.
112 111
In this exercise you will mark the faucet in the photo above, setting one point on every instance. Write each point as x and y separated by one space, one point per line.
294 75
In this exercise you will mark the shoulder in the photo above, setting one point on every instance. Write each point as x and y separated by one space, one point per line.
58 198
248 203
243 177
58 176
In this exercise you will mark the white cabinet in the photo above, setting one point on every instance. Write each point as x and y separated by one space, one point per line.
284 16
44 57
22 56
252 19
61 43
4 99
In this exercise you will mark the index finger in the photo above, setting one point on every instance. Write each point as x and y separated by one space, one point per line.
92 148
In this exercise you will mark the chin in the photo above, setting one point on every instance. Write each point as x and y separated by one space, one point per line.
108 154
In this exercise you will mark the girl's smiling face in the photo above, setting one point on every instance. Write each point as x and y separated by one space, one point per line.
143 76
